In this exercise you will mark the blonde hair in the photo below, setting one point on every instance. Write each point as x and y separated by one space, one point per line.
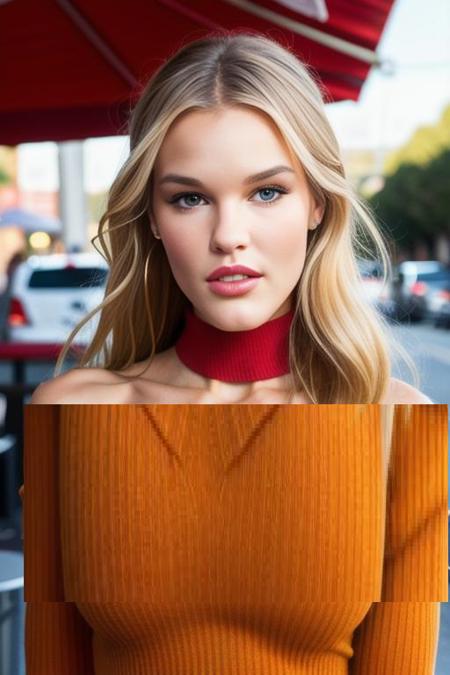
339 345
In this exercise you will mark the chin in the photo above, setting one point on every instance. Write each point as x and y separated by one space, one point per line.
233 319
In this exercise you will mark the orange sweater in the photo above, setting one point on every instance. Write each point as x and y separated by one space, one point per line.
227 539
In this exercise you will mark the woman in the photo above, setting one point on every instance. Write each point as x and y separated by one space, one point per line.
233 162
301 540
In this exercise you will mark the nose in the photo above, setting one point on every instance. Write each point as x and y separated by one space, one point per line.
229 231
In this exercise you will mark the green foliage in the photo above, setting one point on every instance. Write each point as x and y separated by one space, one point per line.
424 145
4 178
415 201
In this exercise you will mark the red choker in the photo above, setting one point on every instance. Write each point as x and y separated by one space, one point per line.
235 356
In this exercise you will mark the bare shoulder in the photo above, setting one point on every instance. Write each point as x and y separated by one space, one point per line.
402 392
100 385
79 385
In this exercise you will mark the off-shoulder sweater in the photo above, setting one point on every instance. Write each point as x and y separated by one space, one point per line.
234 539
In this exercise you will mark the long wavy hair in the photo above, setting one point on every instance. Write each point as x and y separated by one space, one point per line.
340 346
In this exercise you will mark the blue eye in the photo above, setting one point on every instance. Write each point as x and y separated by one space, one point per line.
277 189
186 195
269 189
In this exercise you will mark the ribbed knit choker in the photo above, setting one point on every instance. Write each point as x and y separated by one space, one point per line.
235 356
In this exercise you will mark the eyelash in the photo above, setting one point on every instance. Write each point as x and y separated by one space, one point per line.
177 197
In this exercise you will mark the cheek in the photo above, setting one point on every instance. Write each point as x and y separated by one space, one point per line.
179 243
178 250
288 240
183 255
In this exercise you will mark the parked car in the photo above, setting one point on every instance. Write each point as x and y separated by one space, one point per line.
373 286
439 303
50 294
412 285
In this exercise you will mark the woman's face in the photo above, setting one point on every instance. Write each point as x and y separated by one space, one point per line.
210 214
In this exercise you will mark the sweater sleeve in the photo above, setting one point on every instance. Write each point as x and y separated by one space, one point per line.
400 632
396 637
57 637
416 540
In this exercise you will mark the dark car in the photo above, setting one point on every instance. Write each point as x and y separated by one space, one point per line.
439 303
413 287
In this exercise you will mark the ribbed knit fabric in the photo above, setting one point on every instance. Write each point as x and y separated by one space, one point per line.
234 539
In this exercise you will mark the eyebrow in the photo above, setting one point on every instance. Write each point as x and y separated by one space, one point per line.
187 180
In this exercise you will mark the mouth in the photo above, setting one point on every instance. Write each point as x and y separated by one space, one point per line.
237 284
233 273
233 277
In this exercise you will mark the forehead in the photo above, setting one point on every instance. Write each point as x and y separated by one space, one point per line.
235 137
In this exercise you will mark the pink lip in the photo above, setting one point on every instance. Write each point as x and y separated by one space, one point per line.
233 288
232 269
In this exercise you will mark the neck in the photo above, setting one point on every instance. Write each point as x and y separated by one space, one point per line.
247 360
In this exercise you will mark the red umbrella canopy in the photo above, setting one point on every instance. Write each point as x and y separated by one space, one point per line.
72 68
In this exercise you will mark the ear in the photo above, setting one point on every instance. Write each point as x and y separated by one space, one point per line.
317 215
151 220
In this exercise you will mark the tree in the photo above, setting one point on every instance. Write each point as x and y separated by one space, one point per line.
415 202
4 178
425 144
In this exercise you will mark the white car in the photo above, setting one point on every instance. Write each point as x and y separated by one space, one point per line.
50 294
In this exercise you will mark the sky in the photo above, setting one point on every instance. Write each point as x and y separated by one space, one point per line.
416 39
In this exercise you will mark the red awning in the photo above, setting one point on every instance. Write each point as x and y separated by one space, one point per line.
72 68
